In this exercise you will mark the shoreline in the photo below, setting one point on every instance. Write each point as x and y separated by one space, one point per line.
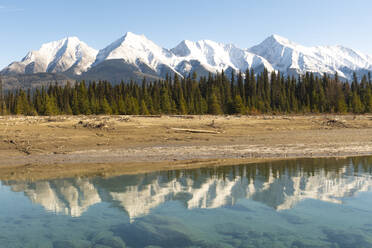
92 163
38 172
36 148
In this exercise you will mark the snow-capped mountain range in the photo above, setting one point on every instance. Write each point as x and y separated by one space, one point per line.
68 54
134 56
138 195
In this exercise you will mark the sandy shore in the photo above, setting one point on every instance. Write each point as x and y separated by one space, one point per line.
45 147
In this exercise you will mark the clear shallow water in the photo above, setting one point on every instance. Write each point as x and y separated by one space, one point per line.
298 203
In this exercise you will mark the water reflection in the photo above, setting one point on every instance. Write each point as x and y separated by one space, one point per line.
280 185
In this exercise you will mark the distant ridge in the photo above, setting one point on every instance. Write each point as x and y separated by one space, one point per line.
135 56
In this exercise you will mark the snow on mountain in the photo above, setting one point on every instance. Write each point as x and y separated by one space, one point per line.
58 56
135 54
291 58
212 56
138 50
216 57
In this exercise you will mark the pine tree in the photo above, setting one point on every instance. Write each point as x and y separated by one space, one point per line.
165 101
38 102
214 107
341 106
150 106
143 108
368 107
2 103
182 107
94 104
239 107
121 106
75 103
357 103
104 107
67 109
83 99
134 106
241 86
232 85
203 107
252 90
21 107
50 106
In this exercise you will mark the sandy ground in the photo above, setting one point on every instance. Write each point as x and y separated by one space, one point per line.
45 147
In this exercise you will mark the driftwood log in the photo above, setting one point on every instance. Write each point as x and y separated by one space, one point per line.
194 130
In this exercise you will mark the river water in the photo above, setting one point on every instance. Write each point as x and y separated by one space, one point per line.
295 203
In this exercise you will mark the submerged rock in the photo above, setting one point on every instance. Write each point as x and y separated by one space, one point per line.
293 219
154 231
100 246
300 244
72 244
94 237
346 240
113 242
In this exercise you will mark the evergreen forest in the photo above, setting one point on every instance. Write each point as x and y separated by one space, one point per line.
240 93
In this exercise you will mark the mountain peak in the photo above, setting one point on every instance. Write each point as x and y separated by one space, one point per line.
131 34
72 38
61 42
278 37
274 38
129 38
132 37
56 56
137 50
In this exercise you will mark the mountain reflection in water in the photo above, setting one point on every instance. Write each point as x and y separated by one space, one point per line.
280 185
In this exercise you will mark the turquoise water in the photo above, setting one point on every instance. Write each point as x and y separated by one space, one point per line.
298 203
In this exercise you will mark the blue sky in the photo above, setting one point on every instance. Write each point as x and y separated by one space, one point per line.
26 24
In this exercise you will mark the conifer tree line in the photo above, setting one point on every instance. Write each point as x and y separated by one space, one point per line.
247 93
2 103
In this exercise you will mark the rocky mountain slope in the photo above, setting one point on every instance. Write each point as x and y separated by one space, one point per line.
135 56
